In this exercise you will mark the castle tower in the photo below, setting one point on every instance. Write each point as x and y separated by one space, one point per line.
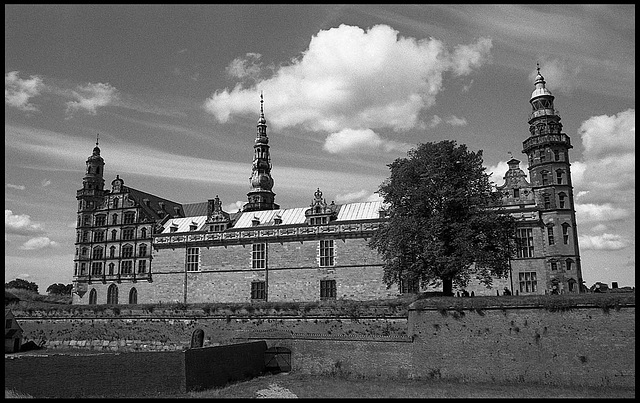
261 197
90 196
547 149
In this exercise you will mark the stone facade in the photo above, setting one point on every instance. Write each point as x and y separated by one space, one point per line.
134 247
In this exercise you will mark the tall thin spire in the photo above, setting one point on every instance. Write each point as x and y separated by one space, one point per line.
97 138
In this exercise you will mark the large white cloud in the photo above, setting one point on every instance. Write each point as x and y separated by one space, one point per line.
18 91
92 96
602 242
40 242
20 224
350 78
362 140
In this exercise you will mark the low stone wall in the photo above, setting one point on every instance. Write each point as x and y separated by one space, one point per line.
116 345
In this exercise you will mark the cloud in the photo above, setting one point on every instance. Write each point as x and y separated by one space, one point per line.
234 207
562 73
456 121
498 171
20 224
19 187
247 67
349 78
90 97
38 243
18 92
602 242
364 140
435 121
590 212
359 196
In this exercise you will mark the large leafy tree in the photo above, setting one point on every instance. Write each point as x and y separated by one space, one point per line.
59 289
444 222
22 284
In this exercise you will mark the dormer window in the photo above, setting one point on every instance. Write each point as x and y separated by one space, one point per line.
318 220
173 228
277 220
516 193
255 221
193 226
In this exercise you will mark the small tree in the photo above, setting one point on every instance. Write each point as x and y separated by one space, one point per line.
22 284
59 289
444 222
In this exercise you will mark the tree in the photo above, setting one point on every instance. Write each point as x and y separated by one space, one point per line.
59 289
444 221
22 284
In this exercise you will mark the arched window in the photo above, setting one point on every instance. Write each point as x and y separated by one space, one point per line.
112 252
569 263
559 176
111 268
143 233
545 177
115 202
93 297
114 218
97 252
112 294
565 233
562 197
127 251
572 285
114 235
546 200
133 296
142 250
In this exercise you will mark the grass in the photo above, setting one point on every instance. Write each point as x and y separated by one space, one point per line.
327 386
312 386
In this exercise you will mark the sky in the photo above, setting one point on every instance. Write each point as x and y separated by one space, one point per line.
173 94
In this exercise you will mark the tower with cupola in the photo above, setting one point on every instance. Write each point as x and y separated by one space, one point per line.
261 196
92 192
547 150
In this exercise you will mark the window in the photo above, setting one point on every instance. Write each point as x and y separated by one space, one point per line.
572 285
408 286
561 199
554 265
83 269
259 256
326 253
318 220
127 251
93 297
142 250
112 294
516 193
87 220
101 220
98 236
84 252
559 176
112 267
143 233
258 290
327 289
126 267
542 155
85 236
97 252
129 217
133 296
112 252
193 259
114 219
524 240
96 268
528 281
545 177
547 201
142 266
550 235
114 235
556 155
127 234
569 263
174 228
565 233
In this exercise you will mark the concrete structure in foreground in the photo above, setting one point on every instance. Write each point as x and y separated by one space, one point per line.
135 247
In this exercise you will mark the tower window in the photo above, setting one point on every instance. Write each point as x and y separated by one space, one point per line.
83 269
554 265
556 155
142 252
559 176
259 256
547 201
542 155
115 202
126 267
143 233
97 253
326 253
569 263
129 217
85 236
114 235
550 235
101 220
193 259
142 266
127 234
96 269
561 199
114 219
98 236
545 177
127 251
111 268
112 252
565 233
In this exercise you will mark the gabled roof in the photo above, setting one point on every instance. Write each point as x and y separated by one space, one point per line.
153 207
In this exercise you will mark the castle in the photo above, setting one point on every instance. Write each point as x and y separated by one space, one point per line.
133 247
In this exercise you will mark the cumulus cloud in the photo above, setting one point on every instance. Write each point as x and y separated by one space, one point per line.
19 187
456 121
90 97
234 207
20 224
350 78
607 168
247 67
364 140
18 91
602 242
38 243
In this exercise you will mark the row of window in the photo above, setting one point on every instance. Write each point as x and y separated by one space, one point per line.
529 283
259 255
101 219
558 155
127 234
327 290
562 200
524 239
112 295
126 268
546 177
126 252
565 234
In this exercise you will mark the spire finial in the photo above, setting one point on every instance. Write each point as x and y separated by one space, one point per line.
261 104
510 155
97 138
538 67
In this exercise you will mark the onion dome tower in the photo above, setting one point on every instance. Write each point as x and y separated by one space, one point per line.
549 170
92 192
261 196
